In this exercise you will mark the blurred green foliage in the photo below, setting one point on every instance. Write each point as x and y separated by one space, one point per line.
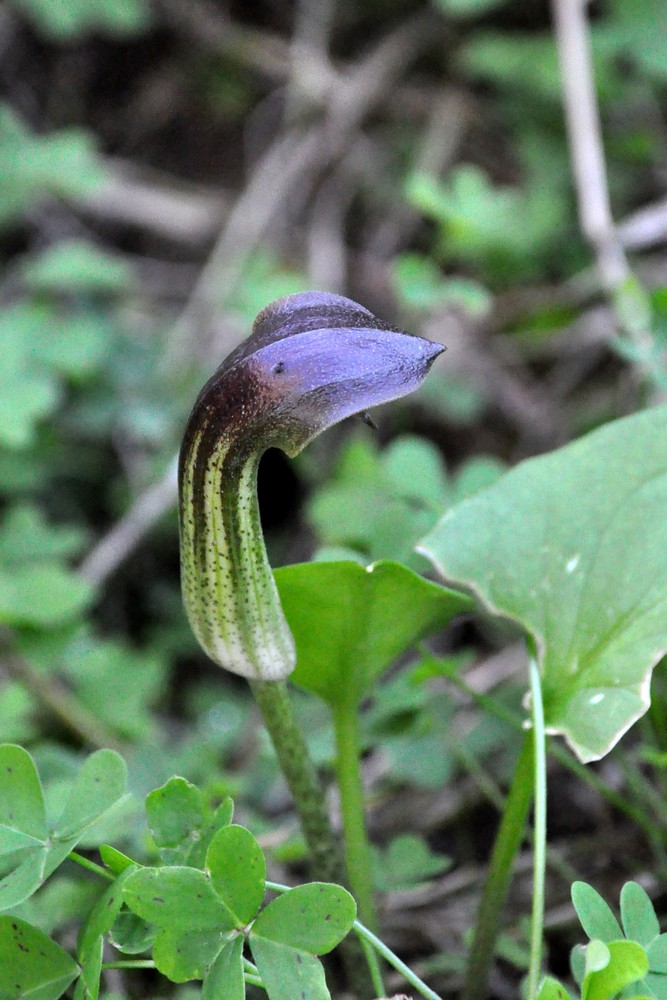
61 20
506 231
379 503
31 165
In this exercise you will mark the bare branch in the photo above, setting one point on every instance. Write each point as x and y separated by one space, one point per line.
280 170
128 532
141 197
645 227
632 309
369 82
208 26
49 692
585 139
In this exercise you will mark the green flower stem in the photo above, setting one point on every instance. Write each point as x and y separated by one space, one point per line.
274 703
357 848
508 841
297 766
540 831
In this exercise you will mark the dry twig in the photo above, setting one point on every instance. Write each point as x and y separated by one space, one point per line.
107 555
590 175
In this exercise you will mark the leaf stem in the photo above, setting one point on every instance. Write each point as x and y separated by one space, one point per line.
508 841
90 865
540 830
250 968
137 963
373 967
357 848
254 980
393 960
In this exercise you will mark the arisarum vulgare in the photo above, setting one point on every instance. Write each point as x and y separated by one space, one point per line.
311 360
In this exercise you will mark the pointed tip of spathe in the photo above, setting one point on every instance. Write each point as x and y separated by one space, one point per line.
432 350
436 348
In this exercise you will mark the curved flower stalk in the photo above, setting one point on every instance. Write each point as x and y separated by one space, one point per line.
312 360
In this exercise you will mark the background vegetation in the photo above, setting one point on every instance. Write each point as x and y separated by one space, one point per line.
166 170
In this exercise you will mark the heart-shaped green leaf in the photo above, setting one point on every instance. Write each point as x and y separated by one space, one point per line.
23 832
224 980
312 918
551 989
27 855
181 824
573 547
31 964
182 956
175 814
99 784
287 972
221 818
627 964
179 899
21 874
22 815
350 622
238 871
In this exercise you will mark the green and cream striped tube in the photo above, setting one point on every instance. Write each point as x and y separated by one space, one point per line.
312 360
